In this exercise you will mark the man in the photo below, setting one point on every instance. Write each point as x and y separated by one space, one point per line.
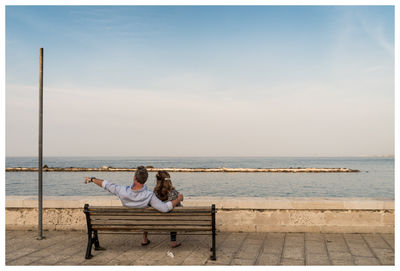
137 195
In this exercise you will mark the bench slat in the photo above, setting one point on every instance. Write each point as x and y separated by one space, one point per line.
155 218
155 223
147 210
147 214
152 228
136 232
114 213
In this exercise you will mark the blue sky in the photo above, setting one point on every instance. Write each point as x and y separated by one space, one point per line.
200 80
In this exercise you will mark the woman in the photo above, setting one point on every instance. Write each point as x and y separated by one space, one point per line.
165 191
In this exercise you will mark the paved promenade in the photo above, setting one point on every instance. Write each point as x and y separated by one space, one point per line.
68 248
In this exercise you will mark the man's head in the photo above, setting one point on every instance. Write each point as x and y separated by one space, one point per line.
141 174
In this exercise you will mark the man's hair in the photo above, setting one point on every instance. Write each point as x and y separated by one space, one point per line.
141 174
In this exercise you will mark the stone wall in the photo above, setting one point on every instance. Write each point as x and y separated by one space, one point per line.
234 214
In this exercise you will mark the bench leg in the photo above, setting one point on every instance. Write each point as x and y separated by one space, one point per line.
89 246
213 256
96 242
213 230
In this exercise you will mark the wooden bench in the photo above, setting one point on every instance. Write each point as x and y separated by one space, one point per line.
123 220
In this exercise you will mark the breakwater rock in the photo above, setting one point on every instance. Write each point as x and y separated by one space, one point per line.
152 169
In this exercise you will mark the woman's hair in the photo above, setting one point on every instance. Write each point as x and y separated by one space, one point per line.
163 185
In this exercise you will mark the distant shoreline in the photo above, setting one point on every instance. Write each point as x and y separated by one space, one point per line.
203 156
152 169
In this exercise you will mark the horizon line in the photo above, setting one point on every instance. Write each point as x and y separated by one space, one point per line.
211 156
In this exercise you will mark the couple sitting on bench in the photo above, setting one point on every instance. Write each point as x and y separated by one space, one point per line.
164 198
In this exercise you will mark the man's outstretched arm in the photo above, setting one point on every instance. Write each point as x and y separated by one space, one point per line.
109 186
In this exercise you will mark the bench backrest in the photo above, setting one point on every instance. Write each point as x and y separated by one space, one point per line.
196 220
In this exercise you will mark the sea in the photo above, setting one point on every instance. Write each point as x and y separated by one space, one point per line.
375 179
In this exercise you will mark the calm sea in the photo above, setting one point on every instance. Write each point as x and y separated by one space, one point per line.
376 179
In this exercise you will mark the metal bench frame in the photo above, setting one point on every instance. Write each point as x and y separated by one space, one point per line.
93 238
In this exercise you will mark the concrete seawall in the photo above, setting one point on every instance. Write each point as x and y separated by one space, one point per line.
344 215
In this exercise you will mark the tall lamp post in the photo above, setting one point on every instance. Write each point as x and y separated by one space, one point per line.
40 184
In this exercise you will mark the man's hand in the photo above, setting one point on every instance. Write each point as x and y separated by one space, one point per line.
177 200
99 182
89 179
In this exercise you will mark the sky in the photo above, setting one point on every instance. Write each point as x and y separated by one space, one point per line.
201 80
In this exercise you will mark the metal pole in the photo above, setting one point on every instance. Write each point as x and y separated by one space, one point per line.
40 186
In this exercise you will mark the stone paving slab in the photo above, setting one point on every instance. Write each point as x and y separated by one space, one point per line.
68 248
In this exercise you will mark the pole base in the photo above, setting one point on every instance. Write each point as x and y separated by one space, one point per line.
40 237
